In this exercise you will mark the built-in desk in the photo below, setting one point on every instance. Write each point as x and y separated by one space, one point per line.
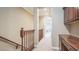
68 43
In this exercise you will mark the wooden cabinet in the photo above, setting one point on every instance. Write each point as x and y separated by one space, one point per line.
76 13
65 14
71 14
68 43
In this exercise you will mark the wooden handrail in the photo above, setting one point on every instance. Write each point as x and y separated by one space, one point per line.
12 42
27 36
22 35
24 38
29 30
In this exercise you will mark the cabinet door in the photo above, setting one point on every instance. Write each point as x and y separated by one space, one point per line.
76 15
65 14
71 14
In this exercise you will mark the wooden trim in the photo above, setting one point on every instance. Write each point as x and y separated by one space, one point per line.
40 34
29 30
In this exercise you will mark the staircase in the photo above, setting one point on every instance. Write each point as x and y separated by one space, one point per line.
27 41
8 45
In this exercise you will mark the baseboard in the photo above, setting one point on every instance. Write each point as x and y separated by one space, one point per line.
55 48
35 46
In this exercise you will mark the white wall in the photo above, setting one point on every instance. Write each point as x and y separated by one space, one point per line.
74 29
58 26
12 20
41 22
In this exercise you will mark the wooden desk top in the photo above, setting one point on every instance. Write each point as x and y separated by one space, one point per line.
71 40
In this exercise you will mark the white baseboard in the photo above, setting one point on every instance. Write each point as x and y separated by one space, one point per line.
35 46
55 48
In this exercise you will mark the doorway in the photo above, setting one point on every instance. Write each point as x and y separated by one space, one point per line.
47 27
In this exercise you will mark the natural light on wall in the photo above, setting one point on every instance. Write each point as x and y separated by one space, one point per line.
44 11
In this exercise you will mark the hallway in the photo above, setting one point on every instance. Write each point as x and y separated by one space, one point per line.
45 44
37 28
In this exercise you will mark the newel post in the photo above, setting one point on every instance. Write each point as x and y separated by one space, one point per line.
22 35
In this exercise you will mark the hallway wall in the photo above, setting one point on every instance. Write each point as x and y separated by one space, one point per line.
58 26
12 20
75 29
41 22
